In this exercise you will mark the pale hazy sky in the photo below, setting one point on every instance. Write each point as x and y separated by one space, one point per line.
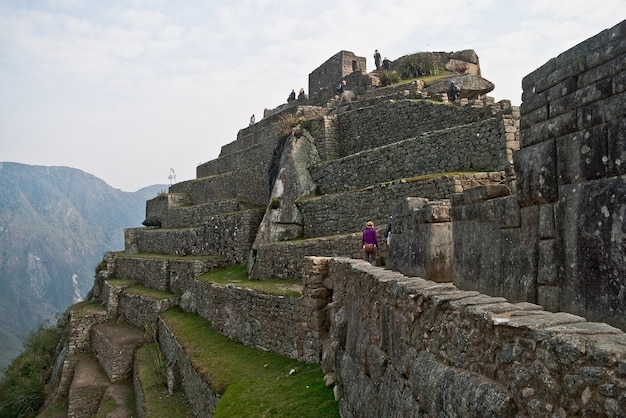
127 90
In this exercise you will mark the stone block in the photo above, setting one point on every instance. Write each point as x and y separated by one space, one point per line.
582 156
602 111
87 388
536 174
619 82
548 297
434 212
547 268
457 199
590 251
530 81
617 148
552 128
546 222
485 192
425 252
449 391
114 346
507 212
540 114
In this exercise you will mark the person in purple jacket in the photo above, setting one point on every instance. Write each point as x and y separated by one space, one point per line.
370 243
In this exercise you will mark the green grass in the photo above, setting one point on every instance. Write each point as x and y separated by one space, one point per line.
254 383
22 387
120 282
157 403
146 291
86 307
238 275
58 409
155 256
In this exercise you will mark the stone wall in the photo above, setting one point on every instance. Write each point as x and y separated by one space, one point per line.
206 189
421 239
185 216
336 67
341 213
561 240
387 122
573 145
480 146
230 235
420 348
194 385
495 245
289 325
285 260
161 272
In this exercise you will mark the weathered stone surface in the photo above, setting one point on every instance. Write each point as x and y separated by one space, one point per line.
536 174
453 353
591 249
452 392
87 389
471 86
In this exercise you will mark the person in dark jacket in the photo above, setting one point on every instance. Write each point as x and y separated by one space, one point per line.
454 92
370 243
388 231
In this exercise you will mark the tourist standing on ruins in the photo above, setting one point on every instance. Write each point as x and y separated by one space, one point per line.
388 231
386 64
292 96
341 87
370 243
252 120
302 95
377 59
454 92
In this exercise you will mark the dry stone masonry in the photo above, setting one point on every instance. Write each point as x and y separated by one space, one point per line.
502 291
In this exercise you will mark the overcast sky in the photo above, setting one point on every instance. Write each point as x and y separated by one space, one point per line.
129 90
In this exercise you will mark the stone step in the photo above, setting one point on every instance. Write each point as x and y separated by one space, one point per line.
158 271
117 401
140 306
88 386
114 346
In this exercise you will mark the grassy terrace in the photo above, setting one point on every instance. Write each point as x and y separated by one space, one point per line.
148 292
157 256
238 275
254 383
156 400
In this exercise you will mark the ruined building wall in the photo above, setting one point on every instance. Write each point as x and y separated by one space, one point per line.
336 67
561 241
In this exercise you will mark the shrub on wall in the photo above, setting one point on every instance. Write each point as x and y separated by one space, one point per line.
417 65
388 77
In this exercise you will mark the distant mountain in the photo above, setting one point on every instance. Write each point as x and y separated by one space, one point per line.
55 225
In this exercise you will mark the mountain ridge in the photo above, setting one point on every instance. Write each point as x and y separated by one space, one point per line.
55 224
